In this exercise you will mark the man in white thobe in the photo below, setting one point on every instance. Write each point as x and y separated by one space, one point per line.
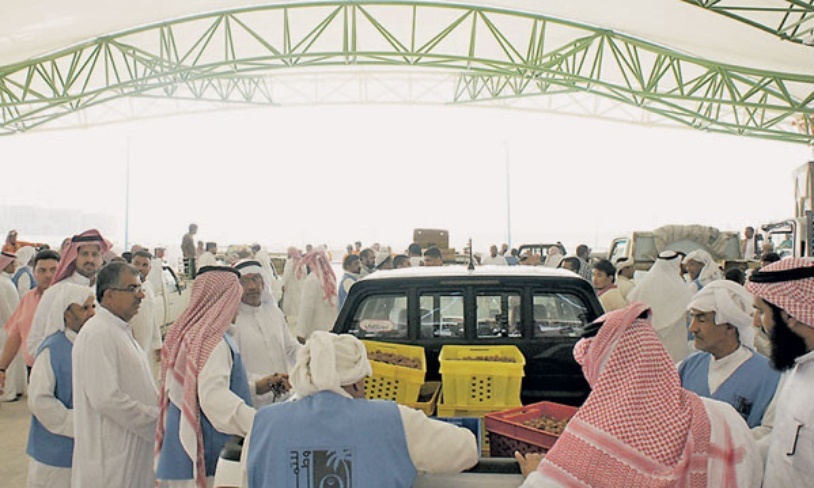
318 306
114 395
262 335
50 439
293 277
663 290
494 258
9 299
79 263
784 298
146 324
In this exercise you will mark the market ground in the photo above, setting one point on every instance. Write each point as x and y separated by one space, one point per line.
14 420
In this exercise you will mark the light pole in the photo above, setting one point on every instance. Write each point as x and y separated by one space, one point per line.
508 198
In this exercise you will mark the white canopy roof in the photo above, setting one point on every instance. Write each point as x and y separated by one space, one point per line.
33 28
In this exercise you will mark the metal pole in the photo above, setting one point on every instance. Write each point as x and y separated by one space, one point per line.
127 197
508 199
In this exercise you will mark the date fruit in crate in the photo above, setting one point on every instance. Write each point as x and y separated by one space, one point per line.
394 359
496 359
547 424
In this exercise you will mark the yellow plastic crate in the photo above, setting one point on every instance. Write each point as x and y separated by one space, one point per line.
429 390
479 383
390 382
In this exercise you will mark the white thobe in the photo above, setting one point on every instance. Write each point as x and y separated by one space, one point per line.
790 460
497 260
265 343
727 429
15 371
227 412
625 285
434 446
145 325
53 415
206 259
115 407
40 323
23 284
292 292
315 312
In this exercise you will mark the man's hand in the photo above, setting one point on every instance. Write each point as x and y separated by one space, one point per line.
529 462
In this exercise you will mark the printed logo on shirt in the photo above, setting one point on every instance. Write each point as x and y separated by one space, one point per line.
743 406
312 468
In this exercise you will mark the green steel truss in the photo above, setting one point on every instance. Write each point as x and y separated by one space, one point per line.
791 20
488 56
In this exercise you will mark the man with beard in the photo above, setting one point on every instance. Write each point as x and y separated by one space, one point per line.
81 260
784 296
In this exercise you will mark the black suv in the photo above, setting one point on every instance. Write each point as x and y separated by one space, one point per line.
542 311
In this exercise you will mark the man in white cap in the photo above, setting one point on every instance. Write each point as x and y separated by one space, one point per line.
265 342
663 290
50 393
384 260
784 297
333 434
702 269
625 269
9 299
80 262
727 368
24 276
114 395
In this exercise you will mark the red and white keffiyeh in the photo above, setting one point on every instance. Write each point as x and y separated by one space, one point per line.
638 427
213 304
318 263
789 284
67 263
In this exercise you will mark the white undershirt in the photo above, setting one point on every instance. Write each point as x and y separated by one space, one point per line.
721 369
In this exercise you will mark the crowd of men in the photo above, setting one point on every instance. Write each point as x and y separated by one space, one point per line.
697 380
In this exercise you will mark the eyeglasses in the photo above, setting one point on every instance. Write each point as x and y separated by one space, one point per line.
129 289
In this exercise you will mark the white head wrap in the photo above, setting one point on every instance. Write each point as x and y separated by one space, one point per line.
64 295
732 305
328 362
663 290
24 255
710 272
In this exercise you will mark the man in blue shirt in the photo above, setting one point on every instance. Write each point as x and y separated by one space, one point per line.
727 368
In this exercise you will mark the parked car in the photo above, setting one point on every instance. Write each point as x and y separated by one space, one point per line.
542 311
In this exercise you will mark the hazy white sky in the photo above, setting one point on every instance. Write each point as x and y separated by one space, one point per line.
336 174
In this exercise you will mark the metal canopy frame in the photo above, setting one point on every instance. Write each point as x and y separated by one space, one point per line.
790 20
486 56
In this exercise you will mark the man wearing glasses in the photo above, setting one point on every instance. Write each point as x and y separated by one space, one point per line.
114 395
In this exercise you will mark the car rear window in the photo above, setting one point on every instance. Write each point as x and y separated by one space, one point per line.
441 314
554 312
498 315
381 316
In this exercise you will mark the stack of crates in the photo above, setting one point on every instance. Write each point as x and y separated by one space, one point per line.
398 383
474 386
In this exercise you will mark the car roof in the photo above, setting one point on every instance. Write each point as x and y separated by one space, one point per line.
460 271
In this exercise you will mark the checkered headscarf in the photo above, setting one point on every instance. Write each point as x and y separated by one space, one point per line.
789 284
638 427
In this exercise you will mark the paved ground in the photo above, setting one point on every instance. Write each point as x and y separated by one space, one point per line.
14 419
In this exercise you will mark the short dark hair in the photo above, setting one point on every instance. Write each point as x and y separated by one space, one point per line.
572 260
582 249
414 248
434 252
736 275
770 257
45 254
110 277
606 267
211 245
367 252
400 259
349 259
143 253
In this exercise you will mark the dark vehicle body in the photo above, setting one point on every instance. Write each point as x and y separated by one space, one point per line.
542 311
